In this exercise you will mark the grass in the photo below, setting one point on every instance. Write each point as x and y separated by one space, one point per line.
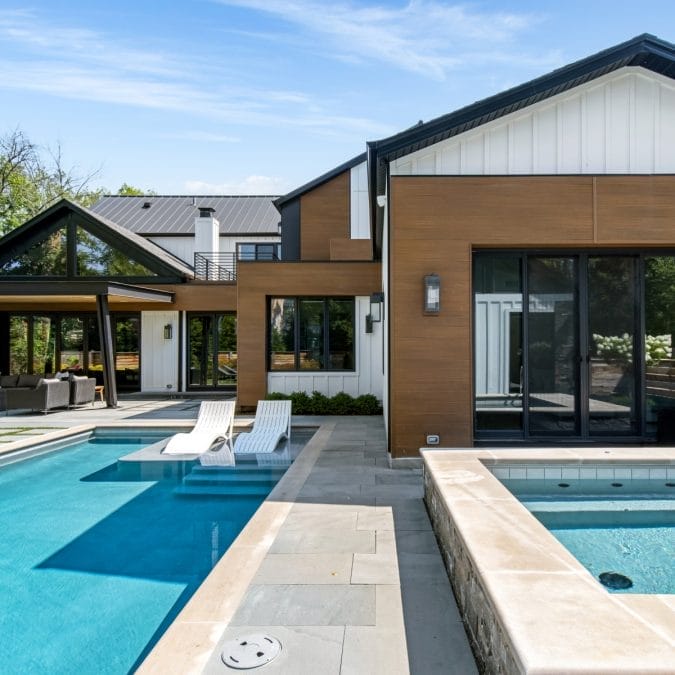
9 434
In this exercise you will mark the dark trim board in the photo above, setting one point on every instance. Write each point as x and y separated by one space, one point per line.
40 289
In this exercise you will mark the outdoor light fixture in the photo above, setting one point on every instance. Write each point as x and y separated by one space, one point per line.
168 331
375 316
432 294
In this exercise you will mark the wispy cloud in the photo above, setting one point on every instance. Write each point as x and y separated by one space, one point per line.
95 67
251 185
429 37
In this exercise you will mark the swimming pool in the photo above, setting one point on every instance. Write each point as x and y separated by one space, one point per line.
621 529
527 603
96 561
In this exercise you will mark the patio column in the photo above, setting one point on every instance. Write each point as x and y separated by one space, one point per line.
105 334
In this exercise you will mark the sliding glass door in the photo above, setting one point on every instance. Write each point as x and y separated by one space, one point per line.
557 345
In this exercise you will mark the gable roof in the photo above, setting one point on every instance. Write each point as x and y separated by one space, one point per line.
142 250
157 215
646 51
323 178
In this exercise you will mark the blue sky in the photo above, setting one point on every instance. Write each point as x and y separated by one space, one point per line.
260 96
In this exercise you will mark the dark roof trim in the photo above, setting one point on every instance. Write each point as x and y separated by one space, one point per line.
644 50
84 288
324 178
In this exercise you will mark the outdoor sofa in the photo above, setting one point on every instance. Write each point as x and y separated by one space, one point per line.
33 392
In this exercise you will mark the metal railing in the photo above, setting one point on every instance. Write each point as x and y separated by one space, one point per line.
223 266
216 266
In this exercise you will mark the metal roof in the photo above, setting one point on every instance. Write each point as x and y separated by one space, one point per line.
175 214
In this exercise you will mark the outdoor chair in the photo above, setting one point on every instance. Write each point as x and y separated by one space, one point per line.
215 422
272 424
82 389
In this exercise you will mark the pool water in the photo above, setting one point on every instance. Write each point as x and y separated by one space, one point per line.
96 560
626 527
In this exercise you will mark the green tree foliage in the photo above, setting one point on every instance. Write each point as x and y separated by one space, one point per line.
32 179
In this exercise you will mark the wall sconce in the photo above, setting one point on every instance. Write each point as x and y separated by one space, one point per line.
432 294
375 316
168 331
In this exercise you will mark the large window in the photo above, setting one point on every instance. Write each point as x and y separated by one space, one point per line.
45 344
212 350
311 334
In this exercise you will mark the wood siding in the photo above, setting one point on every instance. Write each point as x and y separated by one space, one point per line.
256 284
324 215
435 224
351 249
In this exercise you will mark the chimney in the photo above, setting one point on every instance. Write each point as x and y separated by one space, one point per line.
207 237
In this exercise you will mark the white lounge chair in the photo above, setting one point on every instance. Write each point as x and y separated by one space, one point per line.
214 422
272 423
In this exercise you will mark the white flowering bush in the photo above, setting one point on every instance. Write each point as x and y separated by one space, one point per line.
619 348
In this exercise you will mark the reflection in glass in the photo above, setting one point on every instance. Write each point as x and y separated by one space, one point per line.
44 258
72 344
282 334
226 326
498 306
127 352
552 346
311 335
612 321
660 329
341 334
96 258
18 345
44 345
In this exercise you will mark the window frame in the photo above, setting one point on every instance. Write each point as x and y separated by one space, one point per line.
276 254
296 333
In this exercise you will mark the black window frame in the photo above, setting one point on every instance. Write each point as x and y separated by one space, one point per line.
296 333
276 254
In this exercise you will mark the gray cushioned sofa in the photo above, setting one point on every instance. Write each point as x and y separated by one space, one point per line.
82 389
33 392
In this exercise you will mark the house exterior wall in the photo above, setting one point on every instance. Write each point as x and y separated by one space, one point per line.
184 247
324 215
258 281
359 212
159 357
619 123
435 224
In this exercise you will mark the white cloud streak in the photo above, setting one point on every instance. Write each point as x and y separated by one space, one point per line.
427 37
251 185
97 68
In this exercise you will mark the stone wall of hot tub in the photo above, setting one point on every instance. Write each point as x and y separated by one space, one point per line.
491 647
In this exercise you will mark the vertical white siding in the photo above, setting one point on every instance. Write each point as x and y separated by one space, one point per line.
184 247
365 379
359 218
159 357
623 122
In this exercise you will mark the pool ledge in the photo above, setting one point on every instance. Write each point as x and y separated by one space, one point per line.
528 605
190 640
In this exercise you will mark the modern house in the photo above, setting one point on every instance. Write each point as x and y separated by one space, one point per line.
504 273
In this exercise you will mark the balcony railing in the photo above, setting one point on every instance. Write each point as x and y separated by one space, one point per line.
223 266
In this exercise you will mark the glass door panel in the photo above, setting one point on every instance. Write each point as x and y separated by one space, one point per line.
553 346
44 345
212 350
226 325
200 351
127 352
612 322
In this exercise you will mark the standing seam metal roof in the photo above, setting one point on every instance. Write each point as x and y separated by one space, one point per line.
175 214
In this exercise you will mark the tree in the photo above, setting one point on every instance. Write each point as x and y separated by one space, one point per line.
32 178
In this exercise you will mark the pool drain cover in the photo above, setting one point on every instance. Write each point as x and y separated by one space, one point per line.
250 651
615 581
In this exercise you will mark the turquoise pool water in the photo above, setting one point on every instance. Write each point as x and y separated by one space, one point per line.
95 561
624 527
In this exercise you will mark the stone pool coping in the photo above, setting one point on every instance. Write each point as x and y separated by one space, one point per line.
528 605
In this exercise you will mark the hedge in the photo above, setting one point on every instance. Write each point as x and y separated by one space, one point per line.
319 404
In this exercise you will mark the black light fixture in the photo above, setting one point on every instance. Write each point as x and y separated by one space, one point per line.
375 316
432 294
168 331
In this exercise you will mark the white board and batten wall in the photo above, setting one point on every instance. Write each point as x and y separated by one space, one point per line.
159 356
623 122
367 378
359 216
184 247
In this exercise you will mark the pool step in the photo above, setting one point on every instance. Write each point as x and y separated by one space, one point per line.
200 479
222 490
233 473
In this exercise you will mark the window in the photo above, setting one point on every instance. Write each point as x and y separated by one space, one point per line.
311 334
258 251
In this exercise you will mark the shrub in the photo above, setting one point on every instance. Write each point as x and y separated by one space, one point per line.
320 404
